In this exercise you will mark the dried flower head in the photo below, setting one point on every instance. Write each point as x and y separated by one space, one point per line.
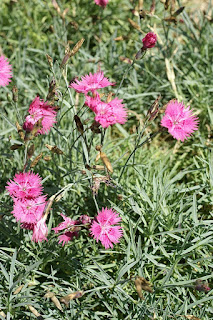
105 228
180 121
5 71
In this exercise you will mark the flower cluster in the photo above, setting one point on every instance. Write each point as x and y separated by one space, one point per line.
40 110
106 113
179 121
29 203
5 71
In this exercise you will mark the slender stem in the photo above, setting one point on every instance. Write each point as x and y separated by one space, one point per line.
127 70
25 155
71 98
124 75
137 141
90 145
96 204
133 152
103 132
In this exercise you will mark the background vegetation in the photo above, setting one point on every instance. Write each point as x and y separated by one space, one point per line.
164 197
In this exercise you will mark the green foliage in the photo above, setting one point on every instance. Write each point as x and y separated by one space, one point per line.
163 194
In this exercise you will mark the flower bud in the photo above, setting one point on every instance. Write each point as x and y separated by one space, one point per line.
149 41
15 94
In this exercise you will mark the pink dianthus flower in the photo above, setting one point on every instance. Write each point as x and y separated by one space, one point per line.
101 3
25 185
92 102
40 230
105 228
91 82
149 41
5 71
40 110
66 225
110 113
180 121
29 210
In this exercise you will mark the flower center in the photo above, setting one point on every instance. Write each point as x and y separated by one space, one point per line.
176 122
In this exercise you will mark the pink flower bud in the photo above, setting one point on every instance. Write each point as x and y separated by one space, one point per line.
149 41
101 3
28 124
202 286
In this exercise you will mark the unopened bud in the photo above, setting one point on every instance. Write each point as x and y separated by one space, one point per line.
79 124
36 160
95 127
154 109
9 98
77 47
98 147
15 94
30 151
202 286
20 131
50 60
139 54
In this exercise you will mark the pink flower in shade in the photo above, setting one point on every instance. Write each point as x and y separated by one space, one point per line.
180 121
101 3
40 110
84 219
29 210
149 41
5 71
110 113
67 236
25 185
91 82
66 225
40 230
27 226
104 228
